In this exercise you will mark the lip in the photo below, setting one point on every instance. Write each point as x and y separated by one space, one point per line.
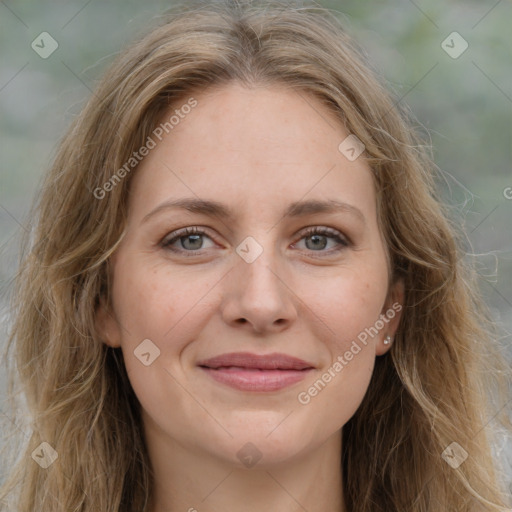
251 372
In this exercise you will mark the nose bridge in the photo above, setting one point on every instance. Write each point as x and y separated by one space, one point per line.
257 291
260 275
257 269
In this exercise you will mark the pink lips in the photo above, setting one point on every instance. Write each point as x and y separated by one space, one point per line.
250 372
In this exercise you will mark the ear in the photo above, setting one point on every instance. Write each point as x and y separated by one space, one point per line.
391 314
106 325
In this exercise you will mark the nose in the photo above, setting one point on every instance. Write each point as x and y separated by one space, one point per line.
257 296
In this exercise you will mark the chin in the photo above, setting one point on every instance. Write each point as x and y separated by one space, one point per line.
264 447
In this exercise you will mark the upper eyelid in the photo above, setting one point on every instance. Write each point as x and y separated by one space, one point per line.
189 230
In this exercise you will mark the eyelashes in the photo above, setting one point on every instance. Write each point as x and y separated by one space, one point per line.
190 241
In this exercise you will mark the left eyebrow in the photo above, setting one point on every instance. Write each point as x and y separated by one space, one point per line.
296 209
302 208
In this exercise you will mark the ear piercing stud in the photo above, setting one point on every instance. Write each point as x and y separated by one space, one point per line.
387 340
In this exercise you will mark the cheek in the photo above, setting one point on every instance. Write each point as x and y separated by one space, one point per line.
344 390
350 304
163 306
152 302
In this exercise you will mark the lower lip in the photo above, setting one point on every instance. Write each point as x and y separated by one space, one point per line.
256 380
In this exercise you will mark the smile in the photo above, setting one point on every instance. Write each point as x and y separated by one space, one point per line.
251 372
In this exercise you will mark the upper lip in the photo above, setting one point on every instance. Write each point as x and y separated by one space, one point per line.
259 362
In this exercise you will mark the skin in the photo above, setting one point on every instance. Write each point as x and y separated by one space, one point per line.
256 150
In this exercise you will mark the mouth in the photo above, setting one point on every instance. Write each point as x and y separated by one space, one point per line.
251 372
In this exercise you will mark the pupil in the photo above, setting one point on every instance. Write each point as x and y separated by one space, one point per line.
196 238
316 238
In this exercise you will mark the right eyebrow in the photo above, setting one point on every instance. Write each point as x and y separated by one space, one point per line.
192 204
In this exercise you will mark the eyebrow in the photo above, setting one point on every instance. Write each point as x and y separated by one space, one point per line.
296 209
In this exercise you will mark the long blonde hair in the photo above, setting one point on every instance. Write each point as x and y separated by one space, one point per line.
429 391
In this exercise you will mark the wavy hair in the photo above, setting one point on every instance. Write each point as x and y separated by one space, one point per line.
430 390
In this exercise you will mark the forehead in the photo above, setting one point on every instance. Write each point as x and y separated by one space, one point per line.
251 147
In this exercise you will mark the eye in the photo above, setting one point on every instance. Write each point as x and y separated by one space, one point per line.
191 240
317 239
186 240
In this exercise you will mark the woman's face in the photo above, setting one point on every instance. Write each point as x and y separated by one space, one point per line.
276 269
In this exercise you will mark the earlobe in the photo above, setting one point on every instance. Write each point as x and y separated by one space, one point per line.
392 312
106 325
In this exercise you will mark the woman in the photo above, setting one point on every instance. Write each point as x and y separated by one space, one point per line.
242 292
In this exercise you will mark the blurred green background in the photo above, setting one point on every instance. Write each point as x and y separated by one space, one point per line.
463 105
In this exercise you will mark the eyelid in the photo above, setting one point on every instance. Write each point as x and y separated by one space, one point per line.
183 232
324 230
